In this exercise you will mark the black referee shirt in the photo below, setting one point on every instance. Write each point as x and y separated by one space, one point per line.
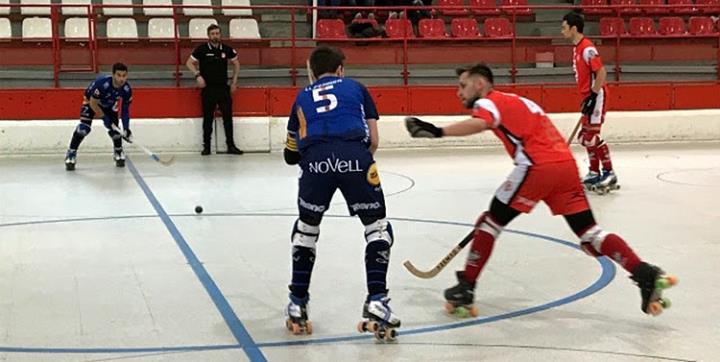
213 62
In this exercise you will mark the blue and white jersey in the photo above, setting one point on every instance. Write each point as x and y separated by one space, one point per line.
331 109
107 96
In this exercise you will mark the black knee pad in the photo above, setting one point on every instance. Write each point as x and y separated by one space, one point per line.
83 129
502 213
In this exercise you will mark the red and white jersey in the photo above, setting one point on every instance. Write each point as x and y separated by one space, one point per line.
586 61
526 132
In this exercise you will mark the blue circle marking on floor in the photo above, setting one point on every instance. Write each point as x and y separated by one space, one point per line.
606 276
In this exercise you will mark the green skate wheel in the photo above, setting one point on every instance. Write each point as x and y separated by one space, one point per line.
665 282
462 312
665 303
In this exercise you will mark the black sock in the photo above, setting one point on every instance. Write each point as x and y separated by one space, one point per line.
303 262
377 258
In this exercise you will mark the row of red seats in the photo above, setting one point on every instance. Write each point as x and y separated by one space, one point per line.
501 27
670 25
709 7
484 7
427 28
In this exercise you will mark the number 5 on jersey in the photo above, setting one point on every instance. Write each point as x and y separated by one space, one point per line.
318 97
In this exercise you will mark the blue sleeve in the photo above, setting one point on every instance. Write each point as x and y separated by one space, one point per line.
293 123
127 99
93 90
369 105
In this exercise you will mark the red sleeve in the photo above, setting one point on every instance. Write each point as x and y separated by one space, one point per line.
595 63
485 115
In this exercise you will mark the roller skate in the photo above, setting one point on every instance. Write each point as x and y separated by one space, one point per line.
606 183
119 157
460 298
70 158
652 280
297 313
379 319
591 178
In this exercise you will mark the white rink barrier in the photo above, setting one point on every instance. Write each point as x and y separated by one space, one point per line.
264 134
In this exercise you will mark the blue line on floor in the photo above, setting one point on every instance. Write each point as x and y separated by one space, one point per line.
607 275
236 327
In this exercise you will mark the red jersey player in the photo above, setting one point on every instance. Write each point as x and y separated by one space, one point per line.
590 76
545 170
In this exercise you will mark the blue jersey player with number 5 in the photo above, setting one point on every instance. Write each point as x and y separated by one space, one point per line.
332 136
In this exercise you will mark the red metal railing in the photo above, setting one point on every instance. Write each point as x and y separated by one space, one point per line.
296 54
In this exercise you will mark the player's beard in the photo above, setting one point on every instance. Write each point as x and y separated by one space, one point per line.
470 103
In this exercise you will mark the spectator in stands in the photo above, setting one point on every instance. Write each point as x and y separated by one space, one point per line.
413 15
367 3
327 13
212 59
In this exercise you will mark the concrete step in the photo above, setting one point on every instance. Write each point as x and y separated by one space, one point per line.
284 30
548 15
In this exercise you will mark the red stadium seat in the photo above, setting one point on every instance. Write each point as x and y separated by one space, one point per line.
685 10
498 28
701 25
659 9
627 9
585 3
642 27
671 25
331 29
452 12
431 28
399 28
484 7
464 28
522 8
612 26
712 10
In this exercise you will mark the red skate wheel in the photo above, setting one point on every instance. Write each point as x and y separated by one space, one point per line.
449 308
655 308
362 326
308 327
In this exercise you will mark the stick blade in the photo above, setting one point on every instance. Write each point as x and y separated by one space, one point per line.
419 273
167 160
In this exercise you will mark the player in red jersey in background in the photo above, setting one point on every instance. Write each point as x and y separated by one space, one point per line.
590 75
545 170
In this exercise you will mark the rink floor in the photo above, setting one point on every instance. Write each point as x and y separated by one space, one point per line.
113 264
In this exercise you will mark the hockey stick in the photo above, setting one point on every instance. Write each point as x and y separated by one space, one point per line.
311 77
164 160
574 132
442 264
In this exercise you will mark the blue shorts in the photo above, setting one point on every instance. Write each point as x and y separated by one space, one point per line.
348 166
87 114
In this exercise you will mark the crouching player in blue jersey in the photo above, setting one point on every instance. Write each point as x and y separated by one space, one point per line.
332 135
101 100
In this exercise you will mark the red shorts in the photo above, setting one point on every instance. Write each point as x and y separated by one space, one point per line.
557 184
598 117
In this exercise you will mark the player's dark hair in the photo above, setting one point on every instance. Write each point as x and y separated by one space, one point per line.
212 27
477 69
326 59
575 19
119 67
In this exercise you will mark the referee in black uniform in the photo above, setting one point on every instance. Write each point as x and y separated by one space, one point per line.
212 78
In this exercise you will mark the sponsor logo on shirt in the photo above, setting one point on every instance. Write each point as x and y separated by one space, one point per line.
335 166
